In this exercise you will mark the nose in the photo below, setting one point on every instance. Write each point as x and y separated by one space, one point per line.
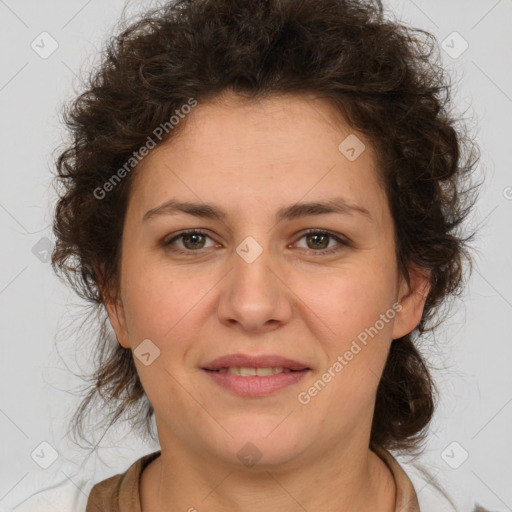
254 295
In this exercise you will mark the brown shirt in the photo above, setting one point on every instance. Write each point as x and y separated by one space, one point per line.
120 493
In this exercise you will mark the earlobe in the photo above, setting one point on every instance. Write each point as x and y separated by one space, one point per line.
117 320
115 312
412 298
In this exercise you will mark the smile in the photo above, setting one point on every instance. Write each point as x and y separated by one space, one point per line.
255 382
251 372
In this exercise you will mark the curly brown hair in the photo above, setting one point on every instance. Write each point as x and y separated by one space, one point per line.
385 79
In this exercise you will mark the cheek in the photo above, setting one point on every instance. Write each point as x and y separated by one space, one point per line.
357 311
160 306
353 305
156 299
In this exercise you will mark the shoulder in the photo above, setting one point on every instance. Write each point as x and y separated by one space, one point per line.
71 488
66 493
434 496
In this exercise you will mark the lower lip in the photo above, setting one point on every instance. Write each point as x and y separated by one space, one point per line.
256 386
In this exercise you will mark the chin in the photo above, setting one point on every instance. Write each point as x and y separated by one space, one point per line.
263 443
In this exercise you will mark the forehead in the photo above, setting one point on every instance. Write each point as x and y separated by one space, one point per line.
259 154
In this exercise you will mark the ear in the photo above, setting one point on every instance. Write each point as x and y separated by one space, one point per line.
115 311
412 299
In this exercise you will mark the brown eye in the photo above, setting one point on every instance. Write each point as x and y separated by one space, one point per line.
317 241
195 240
192 241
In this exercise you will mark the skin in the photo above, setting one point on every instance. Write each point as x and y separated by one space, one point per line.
251 159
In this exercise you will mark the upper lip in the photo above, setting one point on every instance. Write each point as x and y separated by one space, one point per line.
246 361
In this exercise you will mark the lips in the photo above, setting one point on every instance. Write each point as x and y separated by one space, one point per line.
264 361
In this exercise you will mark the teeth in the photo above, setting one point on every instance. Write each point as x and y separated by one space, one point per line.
251 372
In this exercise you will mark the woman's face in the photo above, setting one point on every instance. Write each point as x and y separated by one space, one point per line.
255 283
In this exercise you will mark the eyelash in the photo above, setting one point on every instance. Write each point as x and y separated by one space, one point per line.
343 243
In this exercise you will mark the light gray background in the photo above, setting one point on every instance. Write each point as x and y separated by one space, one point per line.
473 350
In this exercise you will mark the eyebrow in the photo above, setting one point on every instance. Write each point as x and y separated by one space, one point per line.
295 211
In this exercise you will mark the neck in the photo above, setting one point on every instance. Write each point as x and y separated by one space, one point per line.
343 479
